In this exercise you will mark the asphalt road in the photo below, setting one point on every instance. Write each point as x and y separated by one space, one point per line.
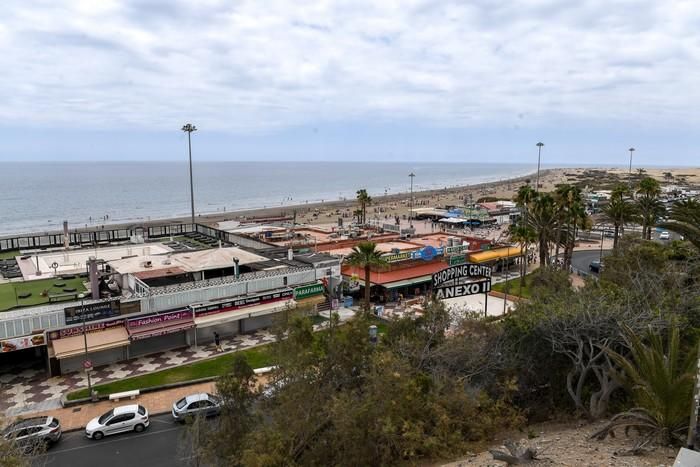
158 446
582 259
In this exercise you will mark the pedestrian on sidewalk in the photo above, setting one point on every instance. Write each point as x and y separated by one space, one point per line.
217 342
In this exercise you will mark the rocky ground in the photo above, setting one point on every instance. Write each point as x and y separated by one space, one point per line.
569 445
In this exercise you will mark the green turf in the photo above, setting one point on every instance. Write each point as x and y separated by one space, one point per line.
8 298
257 357
513 287
9 254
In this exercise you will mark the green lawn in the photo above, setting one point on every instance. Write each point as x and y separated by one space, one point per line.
257 357
8 298
513 287
9 254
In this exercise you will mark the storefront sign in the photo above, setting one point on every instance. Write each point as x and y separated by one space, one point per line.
455 272
78 330
308 291
453 250
456 260
92 311
470 288
19 343
231 305
394 257
163 318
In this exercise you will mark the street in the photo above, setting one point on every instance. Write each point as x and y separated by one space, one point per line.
582 259
159 445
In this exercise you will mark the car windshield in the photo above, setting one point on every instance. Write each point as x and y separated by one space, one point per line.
105 417
181 403
142 410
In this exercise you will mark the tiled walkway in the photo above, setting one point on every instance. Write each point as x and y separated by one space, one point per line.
29 389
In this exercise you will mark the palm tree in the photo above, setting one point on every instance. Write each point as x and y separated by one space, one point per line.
685 220
543 220
523 199
648 203
365 200
661 382
619 211
523 235
365 255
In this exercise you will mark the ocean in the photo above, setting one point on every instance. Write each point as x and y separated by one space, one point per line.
38 196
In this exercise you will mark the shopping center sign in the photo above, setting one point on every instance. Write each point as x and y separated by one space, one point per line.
462 290
453 274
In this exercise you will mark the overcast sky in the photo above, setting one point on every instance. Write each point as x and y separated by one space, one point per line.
352 80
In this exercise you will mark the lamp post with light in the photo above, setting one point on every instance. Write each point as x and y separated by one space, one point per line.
189 128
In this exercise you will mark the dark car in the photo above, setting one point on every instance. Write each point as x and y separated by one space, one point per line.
596 266
35 432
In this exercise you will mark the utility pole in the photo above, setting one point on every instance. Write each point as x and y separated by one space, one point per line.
539 156
505 288
189 128
410 216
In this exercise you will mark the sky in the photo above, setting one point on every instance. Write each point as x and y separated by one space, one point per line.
413 80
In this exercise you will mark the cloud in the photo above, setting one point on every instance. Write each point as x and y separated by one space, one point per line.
249 66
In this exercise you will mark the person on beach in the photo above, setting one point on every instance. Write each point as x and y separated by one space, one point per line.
217 342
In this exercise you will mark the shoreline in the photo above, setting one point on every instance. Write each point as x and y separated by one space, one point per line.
250 214
327 210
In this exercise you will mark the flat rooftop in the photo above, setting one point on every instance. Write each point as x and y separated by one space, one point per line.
193 261
437 240
384 247
74 261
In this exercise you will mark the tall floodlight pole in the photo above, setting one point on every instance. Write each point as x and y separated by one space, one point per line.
631 150
539 157
189 128
410 216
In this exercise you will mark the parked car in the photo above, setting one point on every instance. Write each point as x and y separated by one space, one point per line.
32 432
196 404
596 266
665 235
118 420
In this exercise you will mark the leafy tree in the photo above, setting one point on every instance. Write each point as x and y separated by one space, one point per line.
365 255
661 381
685 220
523 235
364 200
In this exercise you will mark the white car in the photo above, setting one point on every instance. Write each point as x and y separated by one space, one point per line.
118 420
664 235
195 404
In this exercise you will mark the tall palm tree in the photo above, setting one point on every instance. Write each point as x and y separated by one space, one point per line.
365 200
543 219
523 199
648 204
619 211
523 235
685 220
365 255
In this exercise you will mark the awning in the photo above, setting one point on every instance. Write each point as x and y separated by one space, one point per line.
160 329
96 341
315 300
243 313
407 282
495 255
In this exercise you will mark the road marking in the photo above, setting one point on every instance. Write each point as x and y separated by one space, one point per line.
94 443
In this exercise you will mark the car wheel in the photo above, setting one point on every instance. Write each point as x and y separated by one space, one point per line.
98 435
139 428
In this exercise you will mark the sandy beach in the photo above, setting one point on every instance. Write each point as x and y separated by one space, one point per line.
398 204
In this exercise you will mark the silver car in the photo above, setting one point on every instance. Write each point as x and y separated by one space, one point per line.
118 420
31 433
196 404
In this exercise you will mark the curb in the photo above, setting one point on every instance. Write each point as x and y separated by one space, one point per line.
82 428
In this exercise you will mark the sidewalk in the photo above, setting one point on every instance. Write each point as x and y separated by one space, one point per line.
25 390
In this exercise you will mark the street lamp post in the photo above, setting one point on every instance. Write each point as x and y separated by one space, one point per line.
629 178
539 156
189 128
82 315
410 215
